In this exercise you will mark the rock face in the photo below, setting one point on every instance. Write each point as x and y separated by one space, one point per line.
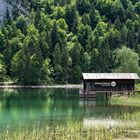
9 5
3 7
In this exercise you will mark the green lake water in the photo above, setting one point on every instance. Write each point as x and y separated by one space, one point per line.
39 107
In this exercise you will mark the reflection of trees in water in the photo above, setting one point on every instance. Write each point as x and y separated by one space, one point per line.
104 109
51 104
38 93
6 93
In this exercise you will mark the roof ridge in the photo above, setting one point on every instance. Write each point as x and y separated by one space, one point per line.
133 76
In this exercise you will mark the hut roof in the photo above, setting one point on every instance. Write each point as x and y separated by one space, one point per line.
129 76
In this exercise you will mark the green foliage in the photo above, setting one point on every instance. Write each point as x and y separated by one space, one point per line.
82 6
57 40
54 36
65 64
128 60
46 72
86 63
94 60
137 7
57 58
75 55
2 69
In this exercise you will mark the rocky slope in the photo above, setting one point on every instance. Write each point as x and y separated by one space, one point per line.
9 5
3 7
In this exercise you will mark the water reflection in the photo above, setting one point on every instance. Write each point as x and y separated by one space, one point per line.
51 106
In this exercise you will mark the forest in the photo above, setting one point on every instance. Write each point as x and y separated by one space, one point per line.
57 40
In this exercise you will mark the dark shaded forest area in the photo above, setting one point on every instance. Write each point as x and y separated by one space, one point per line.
59 39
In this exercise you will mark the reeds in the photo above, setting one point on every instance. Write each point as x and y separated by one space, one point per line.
133 101
69 131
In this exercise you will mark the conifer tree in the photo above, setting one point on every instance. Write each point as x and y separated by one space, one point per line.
117 23
94 61
75 55
123 35
2 69
65 63
70 15
54 36
57 61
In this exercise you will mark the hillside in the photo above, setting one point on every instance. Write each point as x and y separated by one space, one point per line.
3 6
55 41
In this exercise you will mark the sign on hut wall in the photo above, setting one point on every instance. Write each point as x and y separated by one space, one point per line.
105 84
110 85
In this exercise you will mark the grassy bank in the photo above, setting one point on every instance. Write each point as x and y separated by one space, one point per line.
71 131
137 86
133 100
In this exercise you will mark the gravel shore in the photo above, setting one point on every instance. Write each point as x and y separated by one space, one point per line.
12 85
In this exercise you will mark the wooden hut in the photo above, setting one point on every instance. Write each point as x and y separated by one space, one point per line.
109 83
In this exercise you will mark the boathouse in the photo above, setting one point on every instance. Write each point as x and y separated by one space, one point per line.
109 82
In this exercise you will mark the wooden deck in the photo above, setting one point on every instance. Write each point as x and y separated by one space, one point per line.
92 94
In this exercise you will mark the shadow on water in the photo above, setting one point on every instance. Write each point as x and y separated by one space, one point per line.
26 107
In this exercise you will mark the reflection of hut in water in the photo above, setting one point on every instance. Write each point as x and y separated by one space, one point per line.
108 83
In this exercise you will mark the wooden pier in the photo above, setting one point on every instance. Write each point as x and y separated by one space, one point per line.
89 94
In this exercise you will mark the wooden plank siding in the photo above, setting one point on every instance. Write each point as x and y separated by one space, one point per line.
107 85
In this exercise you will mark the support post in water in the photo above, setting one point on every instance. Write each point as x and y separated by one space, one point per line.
84 83
106 96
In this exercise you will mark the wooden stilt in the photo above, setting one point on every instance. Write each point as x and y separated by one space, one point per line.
106 96
84 89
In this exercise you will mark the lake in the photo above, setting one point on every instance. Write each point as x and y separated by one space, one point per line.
21 108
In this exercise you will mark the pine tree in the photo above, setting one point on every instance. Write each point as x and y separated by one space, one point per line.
54 36
57 58
104 57
83 6
75 25
75 55
123 35
8 16
65 64
95 61
83 34
2 69
48 9
87 62
94 16
70 15
43 45
131 42
86 19
37 17
124 3
117 23
137 7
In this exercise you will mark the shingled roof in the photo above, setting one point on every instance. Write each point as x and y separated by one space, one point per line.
129 76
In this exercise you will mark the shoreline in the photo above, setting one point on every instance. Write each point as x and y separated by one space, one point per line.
10 85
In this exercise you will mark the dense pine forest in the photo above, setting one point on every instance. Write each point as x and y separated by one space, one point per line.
54 41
